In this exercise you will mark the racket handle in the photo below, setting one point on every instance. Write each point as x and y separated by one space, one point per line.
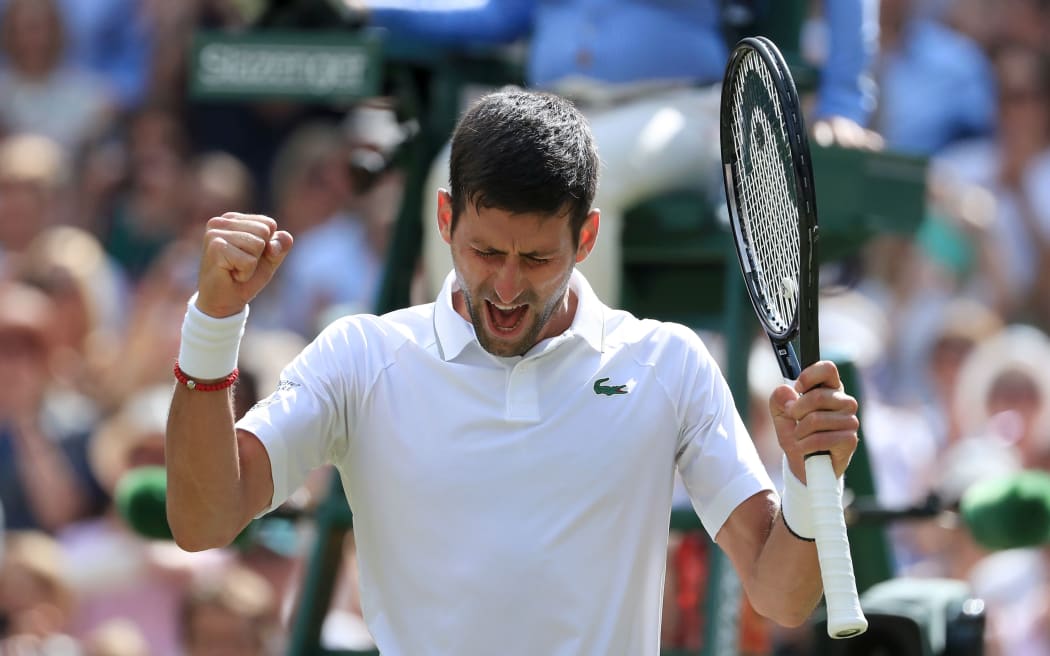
845 617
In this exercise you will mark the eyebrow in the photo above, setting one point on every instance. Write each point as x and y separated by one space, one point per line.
491 249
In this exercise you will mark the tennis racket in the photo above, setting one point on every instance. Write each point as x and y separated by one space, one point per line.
772 208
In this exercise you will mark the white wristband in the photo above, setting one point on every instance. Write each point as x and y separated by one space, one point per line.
795 507
210 346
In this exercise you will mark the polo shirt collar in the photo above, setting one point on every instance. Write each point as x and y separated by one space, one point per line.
589 322
454 332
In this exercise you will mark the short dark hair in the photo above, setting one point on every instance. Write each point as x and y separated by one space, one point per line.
524 151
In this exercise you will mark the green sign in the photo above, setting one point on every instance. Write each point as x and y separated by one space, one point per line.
284 65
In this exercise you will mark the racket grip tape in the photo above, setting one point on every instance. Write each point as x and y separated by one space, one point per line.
845 617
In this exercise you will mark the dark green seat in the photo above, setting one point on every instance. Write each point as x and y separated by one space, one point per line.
673 257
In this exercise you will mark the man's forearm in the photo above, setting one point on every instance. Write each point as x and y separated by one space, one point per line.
786 584
205 502
215 483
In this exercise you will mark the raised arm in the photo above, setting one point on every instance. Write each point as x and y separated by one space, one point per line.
769 539
218 478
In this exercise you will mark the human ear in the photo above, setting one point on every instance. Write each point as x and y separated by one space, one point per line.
588 235
444 215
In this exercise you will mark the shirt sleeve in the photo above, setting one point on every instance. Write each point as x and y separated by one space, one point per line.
847 88
454 22
304 423
716 459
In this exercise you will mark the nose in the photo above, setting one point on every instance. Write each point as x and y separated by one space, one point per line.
509 282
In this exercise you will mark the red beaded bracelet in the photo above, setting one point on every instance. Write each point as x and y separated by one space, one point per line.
183 379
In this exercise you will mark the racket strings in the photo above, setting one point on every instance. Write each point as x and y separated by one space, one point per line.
769 214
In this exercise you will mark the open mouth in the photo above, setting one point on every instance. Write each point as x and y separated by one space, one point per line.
505 318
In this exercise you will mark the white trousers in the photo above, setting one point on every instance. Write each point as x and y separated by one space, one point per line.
652 144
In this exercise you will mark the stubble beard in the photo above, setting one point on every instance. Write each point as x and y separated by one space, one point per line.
478 316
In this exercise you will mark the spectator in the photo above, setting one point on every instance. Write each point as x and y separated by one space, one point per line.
1014 167
172 27
35 599
1004 381
935 85
113 39
909 287
39 92
89 296
116 573
33 178
1001 406
333 264
964 324
146 216
374 136
44 481
150 338
652 99
1015 585
232 614
215 181
1003 402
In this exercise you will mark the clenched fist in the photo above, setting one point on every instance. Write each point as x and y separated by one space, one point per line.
241 253
815 415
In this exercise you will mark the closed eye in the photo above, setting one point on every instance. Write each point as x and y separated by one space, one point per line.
533 260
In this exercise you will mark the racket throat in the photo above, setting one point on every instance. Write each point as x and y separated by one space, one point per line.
787 359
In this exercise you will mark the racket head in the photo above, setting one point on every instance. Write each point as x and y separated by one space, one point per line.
768 176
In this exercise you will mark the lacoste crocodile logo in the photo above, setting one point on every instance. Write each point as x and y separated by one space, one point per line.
608 390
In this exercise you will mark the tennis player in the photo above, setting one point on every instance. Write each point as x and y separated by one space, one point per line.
509 449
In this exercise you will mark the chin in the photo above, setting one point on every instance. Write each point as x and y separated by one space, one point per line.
503 348
492 342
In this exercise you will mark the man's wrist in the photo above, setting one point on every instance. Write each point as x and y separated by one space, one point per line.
210 346
214 312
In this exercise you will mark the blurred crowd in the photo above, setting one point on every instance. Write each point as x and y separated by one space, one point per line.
107 176
109 171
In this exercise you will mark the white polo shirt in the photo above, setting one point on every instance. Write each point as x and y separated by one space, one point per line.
511 505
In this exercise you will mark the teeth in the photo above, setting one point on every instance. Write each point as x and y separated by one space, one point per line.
505 308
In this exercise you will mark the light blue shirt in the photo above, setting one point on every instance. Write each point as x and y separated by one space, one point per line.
937 89
625 41
111 39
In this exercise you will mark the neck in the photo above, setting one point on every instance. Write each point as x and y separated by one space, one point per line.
563 316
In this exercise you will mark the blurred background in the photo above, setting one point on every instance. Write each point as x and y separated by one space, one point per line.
126 124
